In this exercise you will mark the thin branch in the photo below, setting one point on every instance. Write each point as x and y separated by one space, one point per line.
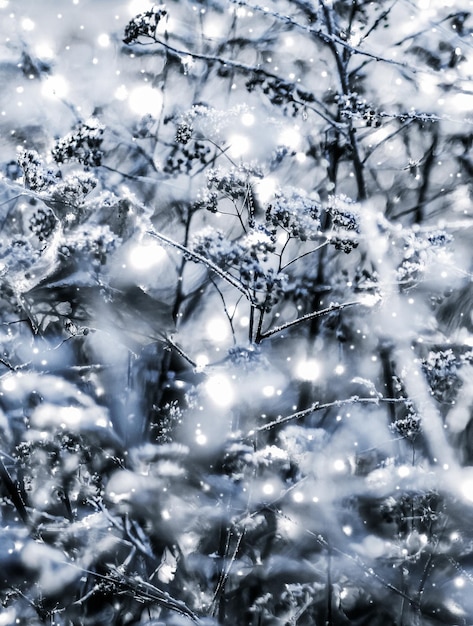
180 351
305 97
301 256
328 38
345 87
354 558
426 179
225 308
198 258
143 590
305 318
321 407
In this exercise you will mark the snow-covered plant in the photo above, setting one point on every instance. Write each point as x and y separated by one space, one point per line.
235 321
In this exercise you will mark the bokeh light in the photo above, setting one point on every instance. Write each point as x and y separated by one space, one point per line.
55 87
145 255
27 24
103 40
308 370
44 50
217 329
220 390
144 100
139 6
239 145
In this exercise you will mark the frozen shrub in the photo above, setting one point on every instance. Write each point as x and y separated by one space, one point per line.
235 314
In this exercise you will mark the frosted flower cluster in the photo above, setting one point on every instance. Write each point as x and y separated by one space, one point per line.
83 145
420 250
96 242
249 259
345 221
145 24
232 182
50 185
441 368
36 176
295 212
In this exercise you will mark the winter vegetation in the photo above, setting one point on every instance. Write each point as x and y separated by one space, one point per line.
236 333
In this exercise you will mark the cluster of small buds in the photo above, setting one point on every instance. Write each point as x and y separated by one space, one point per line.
439 238
409 425
409 271
419 251
296 213
145 24
184 133
248 259
441 370
83 144
279 92
353 107
206 199
233 182
94 241
36 176
212 244
345 220
260 242
165 421
74 188
296 596
20 254
42 223
265 283
185 157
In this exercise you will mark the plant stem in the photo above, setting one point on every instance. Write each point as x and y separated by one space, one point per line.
304 318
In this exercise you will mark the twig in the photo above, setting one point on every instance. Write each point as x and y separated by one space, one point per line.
354 558
316 406
198 258
180 351
141 589
305 318
305 97
328 38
